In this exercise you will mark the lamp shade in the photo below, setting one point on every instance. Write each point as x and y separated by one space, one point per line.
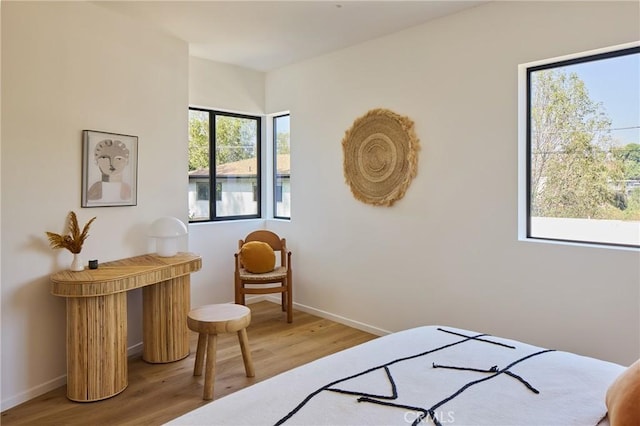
166 230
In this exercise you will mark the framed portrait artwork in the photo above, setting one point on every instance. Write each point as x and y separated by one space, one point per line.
109 169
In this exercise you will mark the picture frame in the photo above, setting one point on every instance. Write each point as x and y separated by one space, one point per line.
109 169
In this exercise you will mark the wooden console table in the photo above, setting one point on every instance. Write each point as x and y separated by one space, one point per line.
97 319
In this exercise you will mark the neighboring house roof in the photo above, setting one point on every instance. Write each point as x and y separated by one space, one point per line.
199 173
284 167
246 167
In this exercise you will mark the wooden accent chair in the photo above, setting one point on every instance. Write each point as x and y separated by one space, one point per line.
263 283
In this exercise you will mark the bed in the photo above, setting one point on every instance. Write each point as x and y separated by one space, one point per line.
431 375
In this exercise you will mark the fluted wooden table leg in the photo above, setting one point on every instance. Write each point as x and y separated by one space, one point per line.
96 347
164 320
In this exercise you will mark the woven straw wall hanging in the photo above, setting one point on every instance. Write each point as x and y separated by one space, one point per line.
380 156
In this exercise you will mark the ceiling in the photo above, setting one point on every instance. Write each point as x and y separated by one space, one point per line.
265 35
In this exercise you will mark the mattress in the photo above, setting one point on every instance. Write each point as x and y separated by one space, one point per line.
431 375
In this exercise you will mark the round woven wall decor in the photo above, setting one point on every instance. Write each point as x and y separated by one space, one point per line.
380 156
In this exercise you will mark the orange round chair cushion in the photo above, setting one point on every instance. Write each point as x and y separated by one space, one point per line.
257 257
623 398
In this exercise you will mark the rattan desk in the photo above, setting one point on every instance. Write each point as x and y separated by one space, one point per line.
97 319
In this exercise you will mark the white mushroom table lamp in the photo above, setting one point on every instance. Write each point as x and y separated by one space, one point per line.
167 231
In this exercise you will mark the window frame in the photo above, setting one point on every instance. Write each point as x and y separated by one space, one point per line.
274 142
214 184
525 140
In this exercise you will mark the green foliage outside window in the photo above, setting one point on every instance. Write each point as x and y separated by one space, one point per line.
577 171
198 140
235 139
282 144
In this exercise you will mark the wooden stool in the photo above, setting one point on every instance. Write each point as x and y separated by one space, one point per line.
209 321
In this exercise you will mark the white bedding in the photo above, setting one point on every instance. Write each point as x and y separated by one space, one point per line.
356 386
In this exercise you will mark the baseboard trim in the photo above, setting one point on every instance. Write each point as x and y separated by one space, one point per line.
52 384
327 315
134 350
33 392
255 299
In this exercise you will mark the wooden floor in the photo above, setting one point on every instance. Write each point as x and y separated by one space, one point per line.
158 393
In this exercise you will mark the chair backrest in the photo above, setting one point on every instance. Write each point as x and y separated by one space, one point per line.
265 236
277 244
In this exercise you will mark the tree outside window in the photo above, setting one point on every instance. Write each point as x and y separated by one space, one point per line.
583 144
232 143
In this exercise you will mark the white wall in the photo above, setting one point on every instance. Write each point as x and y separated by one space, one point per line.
224 87
448 252
69 66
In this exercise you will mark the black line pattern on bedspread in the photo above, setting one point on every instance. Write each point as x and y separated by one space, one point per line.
394 390
426 413
490 370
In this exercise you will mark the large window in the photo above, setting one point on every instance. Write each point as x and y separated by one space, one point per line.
583 148
282 173
232 143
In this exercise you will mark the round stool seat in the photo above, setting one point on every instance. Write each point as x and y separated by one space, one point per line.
209 321
219 318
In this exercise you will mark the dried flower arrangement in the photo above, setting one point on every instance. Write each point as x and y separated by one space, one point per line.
74 239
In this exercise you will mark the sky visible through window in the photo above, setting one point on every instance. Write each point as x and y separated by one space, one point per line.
615 82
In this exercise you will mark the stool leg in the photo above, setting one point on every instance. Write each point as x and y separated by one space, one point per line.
246 352
202 346
210 369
